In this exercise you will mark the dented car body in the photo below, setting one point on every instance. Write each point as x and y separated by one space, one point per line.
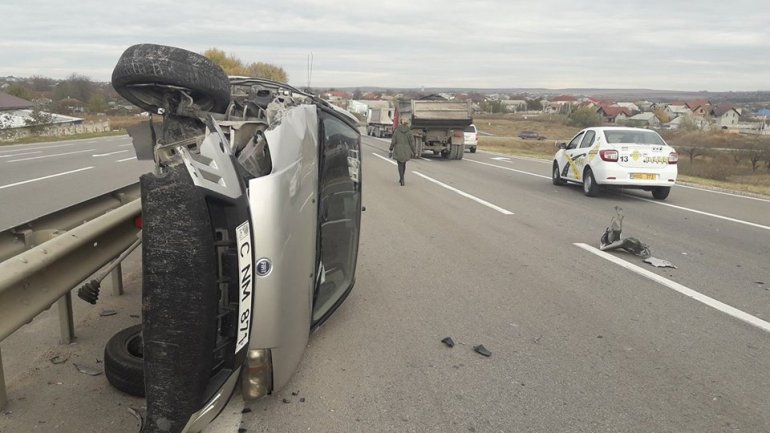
251 230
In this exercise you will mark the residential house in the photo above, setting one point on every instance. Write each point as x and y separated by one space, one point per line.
644 120
699 107
613 113
690 120
514 105
10 102
725 115
675 111
630 106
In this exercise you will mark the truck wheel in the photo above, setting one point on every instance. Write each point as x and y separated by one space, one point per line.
143 70
124 361
661 192
473 149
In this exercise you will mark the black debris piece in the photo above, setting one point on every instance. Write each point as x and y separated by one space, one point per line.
286 400
302 400
448 341
106 313
242 430
761 283
599 336
481 350
295 393
90 291
246 410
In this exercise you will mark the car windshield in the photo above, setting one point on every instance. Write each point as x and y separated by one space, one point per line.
470 128
629 136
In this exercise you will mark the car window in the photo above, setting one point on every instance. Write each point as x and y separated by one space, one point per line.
575 141
470 128
339 212
630 136
588 139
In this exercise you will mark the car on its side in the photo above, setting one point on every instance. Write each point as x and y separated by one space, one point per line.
471 135
620 157
533 135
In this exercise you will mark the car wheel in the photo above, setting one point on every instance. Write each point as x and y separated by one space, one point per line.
556 175
144 72
473 149
124 361
590 187
661 192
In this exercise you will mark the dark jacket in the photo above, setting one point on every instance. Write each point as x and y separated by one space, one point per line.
402 144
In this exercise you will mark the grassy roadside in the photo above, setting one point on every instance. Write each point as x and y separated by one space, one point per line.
545 150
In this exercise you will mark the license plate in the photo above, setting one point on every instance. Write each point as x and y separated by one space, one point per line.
644 176
245 284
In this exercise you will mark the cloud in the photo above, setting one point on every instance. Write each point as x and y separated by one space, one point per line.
656 44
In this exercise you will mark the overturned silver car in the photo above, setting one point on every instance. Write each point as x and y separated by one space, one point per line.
251 226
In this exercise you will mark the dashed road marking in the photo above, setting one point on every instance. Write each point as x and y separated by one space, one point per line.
465 194
44 177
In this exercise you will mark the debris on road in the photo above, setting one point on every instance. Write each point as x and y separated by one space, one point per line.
286 400
106 313
448 341
87 370
481 350
611 238
58 359
302 400
659 263
138 416
246 410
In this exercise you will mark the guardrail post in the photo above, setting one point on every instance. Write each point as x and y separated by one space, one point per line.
117 280
3 395
66 322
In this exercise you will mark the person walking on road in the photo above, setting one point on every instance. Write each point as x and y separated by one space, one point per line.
402 147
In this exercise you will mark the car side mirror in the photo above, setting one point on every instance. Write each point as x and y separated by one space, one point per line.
562 145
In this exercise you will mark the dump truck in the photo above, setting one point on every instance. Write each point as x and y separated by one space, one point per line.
379 122
437 125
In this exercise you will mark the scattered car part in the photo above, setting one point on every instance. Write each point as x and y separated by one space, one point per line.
107 313
611 238
448 341
659 263
123 361
84 369
58 359
89 291
481 350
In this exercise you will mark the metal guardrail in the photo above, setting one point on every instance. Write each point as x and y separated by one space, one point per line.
43 260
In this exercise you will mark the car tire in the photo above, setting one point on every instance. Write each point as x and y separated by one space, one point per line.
124 361
473 149
556 175
143 69
590 187
661 192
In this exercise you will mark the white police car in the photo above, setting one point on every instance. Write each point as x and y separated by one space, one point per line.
617 157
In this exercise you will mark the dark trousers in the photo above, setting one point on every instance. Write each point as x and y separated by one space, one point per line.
401 170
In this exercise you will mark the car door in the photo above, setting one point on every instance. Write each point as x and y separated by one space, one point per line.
569 169
339 214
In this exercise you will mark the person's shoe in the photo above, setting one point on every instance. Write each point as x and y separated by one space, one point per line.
401 182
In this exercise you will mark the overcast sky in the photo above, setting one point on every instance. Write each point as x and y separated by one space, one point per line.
713 45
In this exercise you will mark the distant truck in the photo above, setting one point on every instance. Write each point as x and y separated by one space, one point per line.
379 122
437 125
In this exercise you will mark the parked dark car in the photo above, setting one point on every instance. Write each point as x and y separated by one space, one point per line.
534 135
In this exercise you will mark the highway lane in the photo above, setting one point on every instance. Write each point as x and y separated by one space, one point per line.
37 179
487 256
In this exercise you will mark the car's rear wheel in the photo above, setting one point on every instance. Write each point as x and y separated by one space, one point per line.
661 192
144 73
590 187
556 175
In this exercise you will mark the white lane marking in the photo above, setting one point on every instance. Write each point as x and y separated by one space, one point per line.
679 185
523 158
425 159
690 293
96 155
700 212
509 169
500 158
44 177
127 144
384 159
20 154
39 148
51 156
465 194
126 159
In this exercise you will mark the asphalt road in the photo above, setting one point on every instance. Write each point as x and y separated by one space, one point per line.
37 179
487 251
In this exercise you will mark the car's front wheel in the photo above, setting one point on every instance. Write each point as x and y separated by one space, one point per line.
556 175
590 187
473 149
661 192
